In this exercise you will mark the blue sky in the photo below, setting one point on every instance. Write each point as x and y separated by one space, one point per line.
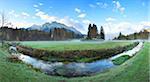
79 13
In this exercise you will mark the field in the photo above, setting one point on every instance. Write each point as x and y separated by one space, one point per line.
135 69
67 45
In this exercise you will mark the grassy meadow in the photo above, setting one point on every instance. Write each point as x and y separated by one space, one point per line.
135 69
67 45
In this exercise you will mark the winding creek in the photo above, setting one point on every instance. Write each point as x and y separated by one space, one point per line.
75 69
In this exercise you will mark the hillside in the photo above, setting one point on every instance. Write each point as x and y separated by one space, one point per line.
145 34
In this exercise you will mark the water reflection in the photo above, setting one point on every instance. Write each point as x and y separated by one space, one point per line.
71 69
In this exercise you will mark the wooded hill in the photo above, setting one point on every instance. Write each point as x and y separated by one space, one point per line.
141 35
11 34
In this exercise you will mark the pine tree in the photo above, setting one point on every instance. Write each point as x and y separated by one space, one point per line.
89 28
102 34
120 36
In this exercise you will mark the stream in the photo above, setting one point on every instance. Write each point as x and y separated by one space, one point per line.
74 69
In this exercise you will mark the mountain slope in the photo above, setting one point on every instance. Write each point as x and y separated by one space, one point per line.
50 26
35 27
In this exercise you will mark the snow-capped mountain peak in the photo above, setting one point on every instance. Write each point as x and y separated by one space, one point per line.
49 26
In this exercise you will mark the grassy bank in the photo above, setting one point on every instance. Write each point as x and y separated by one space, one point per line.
85 54
135 69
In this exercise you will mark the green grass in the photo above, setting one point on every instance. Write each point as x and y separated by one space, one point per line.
66 45
136 69
120 60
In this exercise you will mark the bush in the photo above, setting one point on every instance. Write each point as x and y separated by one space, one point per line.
13 58
120 60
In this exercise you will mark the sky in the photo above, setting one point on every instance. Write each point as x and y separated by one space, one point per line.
126 16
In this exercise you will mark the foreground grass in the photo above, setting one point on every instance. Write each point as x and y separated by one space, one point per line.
134 70
61 46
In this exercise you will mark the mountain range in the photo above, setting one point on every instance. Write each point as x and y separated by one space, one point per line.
46 27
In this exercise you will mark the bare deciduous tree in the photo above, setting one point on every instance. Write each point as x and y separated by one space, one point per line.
4 22
3 19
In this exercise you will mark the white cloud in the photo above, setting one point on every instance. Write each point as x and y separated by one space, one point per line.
102 5
82 15
124 27
86 21
80 12
33 17
77 10
40 4
112 29
37 10
92 6
25 15
122 9
83 22
105 5
72 23
35 6
124 16
66 20
99 4
12 12
45 16
119 7
79 25
145 23
22 24
22 14
110 19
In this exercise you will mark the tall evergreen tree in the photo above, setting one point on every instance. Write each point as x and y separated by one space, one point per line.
95 31
89 28
102 34
120 36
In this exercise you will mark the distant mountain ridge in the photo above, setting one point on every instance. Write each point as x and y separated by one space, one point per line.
57 31
46 27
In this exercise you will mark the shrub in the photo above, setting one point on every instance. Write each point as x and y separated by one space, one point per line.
13 58
120 60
